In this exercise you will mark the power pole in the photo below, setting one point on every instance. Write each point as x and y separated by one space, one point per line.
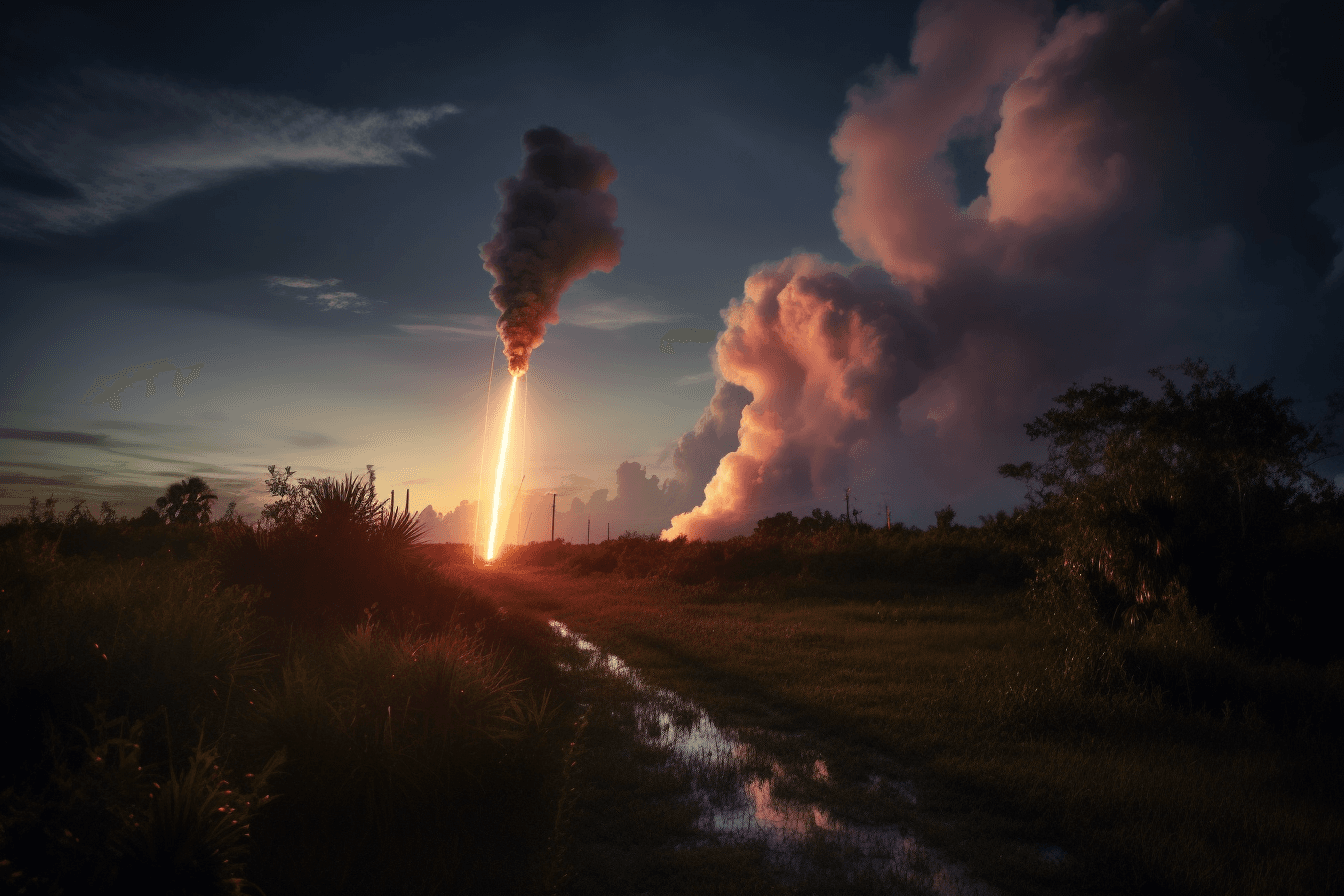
887 507
846 504
552 516
590 530
608 530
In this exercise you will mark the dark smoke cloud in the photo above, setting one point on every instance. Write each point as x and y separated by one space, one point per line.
1141 205
556 227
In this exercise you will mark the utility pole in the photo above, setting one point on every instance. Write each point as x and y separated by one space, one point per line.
846 504
552 516
608 530
590 530
887 507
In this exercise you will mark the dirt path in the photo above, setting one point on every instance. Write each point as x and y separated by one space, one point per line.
762 764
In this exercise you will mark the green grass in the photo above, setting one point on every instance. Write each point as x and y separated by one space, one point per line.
190 713
164 735
1158 760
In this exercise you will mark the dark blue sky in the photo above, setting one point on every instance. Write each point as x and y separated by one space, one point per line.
293 196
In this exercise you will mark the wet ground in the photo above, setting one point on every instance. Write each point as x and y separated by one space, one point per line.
782 799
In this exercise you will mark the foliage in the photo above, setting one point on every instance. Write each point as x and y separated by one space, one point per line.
290 505
155 643
327 550
1144 503
77 533
415 760
187 501
420 750
783 525
816 548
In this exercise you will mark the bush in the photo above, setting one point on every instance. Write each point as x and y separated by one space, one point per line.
1204 495
783 547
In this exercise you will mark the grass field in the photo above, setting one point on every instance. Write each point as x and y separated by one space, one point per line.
1159 762
216 709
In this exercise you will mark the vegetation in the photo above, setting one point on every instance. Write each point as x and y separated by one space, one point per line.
1135 666
1204 496
175 726
1125 686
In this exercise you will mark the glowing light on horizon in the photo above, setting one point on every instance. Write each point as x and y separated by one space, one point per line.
499 470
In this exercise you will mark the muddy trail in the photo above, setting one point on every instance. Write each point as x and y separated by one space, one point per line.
736 791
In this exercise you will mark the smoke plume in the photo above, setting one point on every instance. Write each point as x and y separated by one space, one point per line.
555 227
1140 206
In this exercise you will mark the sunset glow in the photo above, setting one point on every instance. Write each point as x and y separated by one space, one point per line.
490 545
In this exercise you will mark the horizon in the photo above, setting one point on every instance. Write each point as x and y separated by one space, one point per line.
897 261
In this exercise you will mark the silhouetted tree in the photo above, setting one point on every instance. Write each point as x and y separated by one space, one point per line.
187 501
1149 500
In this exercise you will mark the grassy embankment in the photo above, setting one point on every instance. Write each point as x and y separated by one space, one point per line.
310 709
169 729
1160 759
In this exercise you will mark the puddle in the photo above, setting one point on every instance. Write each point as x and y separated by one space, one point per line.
741 791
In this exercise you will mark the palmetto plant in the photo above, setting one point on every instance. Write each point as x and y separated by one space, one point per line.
338 551
187 501
339 512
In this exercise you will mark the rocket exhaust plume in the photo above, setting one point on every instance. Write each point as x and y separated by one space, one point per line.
556 227
499 469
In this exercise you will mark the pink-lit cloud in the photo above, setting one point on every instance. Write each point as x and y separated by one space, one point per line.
1126 181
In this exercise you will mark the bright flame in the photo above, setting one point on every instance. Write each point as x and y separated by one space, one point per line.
499 470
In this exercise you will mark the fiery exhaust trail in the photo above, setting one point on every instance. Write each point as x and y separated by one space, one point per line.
499 470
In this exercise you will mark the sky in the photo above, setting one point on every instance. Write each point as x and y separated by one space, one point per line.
860 245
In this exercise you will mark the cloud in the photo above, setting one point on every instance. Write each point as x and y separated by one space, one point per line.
616 314
110 145
301 282
1138 208
24 479
695 379
815 357
56 436
456 326
302 288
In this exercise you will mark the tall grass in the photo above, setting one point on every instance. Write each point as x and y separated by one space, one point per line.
105 664
174 725
424 756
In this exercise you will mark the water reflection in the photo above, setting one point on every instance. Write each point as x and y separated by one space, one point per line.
739 791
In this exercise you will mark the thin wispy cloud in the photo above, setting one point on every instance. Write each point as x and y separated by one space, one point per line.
615 314
301 282
454 326
112 144
695 379
54 436
304 290
338 301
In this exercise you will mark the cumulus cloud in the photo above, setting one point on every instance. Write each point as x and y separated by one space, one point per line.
1132 191
111 144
